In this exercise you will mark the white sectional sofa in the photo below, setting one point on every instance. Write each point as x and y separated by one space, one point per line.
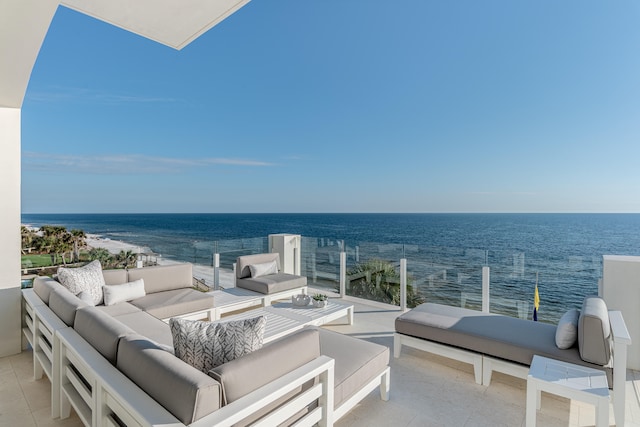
114 365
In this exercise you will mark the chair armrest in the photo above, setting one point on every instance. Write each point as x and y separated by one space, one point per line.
619 328
322 367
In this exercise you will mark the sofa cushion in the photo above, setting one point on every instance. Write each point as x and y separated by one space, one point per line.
119 309
357 362
148 326
248 373
114 294
181 389
205 345
272 283
163 277
177 302
86 278
43 285
115 277
516 340
64 304
263 269
243 263
101 331
567 329
594 331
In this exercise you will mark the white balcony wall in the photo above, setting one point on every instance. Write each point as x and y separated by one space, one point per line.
621 291
10 339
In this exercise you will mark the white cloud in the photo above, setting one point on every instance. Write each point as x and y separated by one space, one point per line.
86 95
125 164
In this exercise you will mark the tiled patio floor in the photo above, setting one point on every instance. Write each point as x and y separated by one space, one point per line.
426 390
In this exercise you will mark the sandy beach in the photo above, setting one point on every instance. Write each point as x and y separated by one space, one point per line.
200 272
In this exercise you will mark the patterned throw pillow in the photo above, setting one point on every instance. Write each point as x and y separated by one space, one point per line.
205 345
88 279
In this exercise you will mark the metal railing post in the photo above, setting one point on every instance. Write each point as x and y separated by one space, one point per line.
485 289
216 271
343 274
403 284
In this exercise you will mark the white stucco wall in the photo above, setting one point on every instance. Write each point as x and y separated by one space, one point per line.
10 339
621 291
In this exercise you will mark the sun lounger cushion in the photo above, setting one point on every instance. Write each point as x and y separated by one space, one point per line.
174 302
594 331
272 283
357 362
101 331
163 277
504 337
64 304
181 389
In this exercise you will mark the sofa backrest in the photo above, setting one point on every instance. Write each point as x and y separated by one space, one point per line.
251 371
163 277
181 389
43 285
101 331
594 331
64 304
243 263
115 277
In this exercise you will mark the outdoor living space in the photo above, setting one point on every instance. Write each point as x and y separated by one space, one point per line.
426 390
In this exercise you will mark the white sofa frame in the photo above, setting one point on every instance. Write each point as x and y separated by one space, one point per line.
485 365
100 393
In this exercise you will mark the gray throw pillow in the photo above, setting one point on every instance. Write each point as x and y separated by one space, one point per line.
88 279
205 345
567 330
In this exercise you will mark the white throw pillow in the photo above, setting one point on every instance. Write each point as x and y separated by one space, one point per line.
114 294
205 345
263 269
567 330
88 278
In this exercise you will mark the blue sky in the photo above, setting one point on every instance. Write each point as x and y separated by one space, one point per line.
342 106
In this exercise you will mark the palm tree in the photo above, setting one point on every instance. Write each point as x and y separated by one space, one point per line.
380 281
78 242
28 236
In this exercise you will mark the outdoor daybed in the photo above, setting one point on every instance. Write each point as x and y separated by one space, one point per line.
493 342
115 365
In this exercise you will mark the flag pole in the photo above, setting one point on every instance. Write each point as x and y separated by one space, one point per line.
536 301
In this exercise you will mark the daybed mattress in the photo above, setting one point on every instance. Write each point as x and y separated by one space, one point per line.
503 337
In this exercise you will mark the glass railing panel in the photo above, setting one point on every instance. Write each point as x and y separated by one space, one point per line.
445 275
230 250
373 271
320 262
563 282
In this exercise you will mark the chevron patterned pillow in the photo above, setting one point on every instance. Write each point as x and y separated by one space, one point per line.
205 345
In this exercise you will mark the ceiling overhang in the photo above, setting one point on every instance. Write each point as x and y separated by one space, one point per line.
174 23
24 25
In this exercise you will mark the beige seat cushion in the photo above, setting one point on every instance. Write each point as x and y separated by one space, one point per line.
356 362
177 302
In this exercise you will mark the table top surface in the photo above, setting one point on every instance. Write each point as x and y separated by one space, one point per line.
569 375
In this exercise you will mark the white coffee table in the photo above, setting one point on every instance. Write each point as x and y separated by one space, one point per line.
570 381
284 318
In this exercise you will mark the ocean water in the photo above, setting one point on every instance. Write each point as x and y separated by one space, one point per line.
445 252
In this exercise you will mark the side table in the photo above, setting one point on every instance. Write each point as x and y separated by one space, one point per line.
567 380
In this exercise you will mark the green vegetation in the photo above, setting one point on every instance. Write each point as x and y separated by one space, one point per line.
53 245
378 280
